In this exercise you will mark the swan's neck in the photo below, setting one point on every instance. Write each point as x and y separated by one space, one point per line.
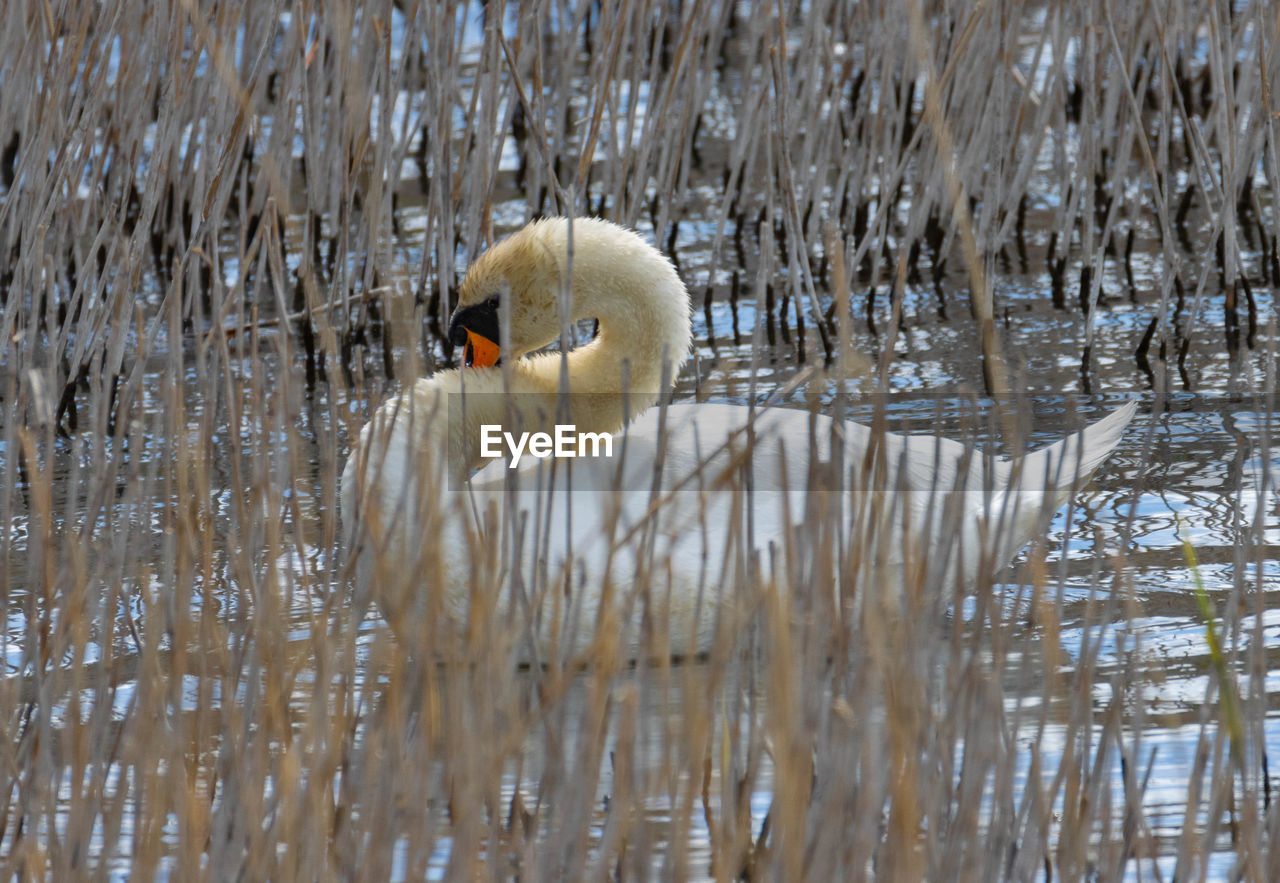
642 308
448 411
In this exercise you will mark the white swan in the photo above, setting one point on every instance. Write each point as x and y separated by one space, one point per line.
698 500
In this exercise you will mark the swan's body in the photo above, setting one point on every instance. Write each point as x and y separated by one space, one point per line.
690 506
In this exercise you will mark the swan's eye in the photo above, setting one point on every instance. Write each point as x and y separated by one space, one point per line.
457 334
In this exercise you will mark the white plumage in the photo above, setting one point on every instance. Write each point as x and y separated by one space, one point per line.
677 524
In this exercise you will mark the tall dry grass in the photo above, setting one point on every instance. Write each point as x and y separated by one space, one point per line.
227 229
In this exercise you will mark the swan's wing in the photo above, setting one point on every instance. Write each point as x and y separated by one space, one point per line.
928 463
931 463
933 487
971 508
1063 465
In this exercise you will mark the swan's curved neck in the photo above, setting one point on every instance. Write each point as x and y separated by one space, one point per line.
642 308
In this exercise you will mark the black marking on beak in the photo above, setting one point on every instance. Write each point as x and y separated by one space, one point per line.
481 320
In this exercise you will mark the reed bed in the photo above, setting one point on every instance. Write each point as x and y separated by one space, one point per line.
229 229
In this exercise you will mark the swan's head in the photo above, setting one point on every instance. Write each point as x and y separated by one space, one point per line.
524 268
618 278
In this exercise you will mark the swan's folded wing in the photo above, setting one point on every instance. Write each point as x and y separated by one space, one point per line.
1066 464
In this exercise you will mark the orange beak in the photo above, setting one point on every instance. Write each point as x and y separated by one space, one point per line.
481 352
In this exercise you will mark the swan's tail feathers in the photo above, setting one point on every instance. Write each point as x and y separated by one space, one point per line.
1065 465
